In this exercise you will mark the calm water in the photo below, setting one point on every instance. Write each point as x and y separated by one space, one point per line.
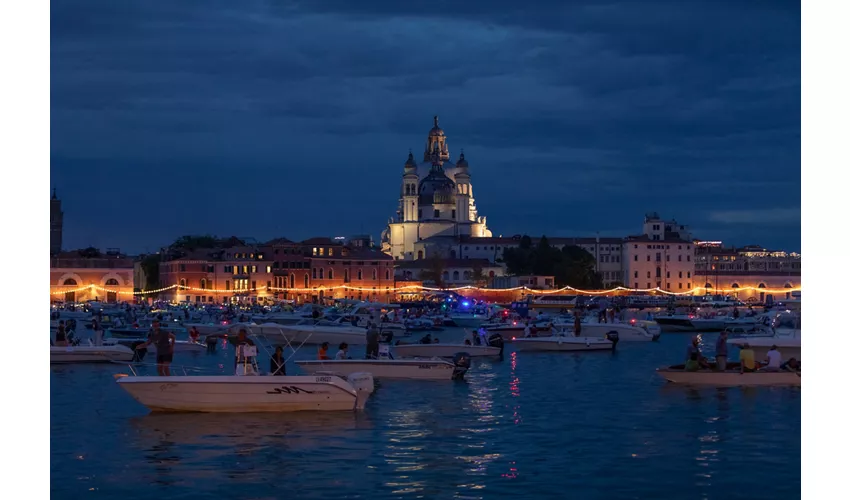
593 425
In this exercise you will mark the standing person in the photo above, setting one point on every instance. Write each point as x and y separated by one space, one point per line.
164 349
527 332
98 332
242 340
372 340
278 364
576 324
60 335
194 334
721 351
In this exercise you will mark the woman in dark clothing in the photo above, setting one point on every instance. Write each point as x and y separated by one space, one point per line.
278 364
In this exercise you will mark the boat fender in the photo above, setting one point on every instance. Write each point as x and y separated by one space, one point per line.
462 362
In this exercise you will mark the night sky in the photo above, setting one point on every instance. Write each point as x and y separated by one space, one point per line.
272 118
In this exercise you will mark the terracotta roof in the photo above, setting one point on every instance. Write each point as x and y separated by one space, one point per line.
320 240
279 241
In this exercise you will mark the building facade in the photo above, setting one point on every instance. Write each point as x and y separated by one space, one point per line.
661 257
278 270
720 268
454 272
72 275
56 216
435 200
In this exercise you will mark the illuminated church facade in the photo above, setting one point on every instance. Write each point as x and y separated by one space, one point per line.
435 202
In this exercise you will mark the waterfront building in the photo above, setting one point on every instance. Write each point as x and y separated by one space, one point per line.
72 271
661 257
454 272
719 267
435 200
533 282
56 216
238 272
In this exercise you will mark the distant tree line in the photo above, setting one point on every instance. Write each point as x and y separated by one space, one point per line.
570 265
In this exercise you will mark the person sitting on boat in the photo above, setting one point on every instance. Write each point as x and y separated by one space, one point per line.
747 358
692 364
343 352
467 342
576 324
792 365
774 360
164 349
527 332
533 331
426 339
194 334
693 349
277 365
323 351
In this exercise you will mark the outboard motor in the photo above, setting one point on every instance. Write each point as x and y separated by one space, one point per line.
496 340
614 337
462 362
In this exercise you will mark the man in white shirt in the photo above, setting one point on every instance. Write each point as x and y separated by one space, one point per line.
774 360
343 351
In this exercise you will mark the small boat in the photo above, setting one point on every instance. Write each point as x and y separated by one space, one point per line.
181 346
730 377
626 332
690 323
788 346
562 342
90 354
244 394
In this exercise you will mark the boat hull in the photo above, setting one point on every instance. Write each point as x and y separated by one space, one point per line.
407 369
299 335
90 354
246 394
443 350
575 344
468 321
729 378
626 332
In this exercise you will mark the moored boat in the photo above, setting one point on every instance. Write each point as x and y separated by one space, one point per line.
730 377
442 350
387 368
90 354
564 343
244 394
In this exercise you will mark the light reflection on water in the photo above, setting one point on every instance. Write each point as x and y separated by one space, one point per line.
542 425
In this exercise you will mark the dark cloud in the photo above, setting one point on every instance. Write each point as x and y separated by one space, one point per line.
575 116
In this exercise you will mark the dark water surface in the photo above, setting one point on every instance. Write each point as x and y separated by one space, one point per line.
559 425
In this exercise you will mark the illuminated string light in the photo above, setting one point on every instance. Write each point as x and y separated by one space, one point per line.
415 288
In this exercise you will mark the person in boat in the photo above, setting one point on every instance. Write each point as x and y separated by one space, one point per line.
164 349
373 338
194 334
61 339
735 313
527 332
426 339
533 332
747 358
692 364
720 351
436 340
343 352
774 360
323 351
576 324
792 365
241 339
277 365
98 332
693 349
467 342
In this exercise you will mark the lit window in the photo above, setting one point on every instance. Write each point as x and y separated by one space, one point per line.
315 251
268 269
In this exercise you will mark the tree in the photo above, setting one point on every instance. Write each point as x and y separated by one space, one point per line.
89 253
519 260
478 277
150 266
194 242
434 269
577 269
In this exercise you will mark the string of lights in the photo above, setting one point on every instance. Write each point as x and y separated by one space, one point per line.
417 288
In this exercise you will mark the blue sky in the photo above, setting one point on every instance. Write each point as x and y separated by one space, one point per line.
266 118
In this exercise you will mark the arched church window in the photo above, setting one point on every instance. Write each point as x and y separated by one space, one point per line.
455 276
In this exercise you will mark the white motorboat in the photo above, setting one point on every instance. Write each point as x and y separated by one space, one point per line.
387 368
468 319
442 350
564 343
688 323
243 394
318 332
90 354
626 332
729 378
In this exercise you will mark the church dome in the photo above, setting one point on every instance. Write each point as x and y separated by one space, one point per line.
436 188
410 163
436 131
461 162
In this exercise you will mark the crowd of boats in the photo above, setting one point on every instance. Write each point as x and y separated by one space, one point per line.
126 334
